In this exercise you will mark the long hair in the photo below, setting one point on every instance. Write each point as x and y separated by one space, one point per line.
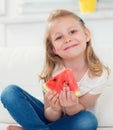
51 60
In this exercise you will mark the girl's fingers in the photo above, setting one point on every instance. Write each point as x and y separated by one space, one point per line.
50 95
67 97
68 94
55 98
73 97
64 96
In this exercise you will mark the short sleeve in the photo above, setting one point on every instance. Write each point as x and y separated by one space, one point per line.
94 85
99 89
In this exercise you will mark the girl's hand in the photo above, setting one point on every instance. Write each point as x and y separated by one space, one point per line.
53 99
67 98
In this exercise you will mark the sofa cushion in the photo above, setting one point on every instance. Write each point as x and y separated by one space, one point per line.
104 107
20 66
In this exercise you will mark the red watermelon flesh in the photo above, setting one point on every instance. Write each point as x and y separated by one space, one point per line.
63 79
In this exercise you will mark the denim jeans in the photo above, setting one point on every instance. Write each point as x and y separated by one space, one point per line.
29 113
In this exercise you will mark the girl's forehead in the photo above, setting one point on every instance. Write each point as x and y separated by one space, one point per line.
64 22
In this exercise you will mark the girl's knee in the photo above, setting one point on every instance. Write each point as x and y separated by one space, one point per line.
90 121
9 94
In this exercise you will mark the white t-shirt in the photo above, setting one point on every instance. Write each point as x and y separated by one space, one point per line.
93 85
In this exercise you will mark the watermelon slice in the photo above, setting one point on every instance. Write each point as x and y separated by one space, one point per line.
63 79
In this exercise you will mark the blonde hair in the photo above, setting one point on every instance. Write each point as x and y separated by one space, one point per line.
51 60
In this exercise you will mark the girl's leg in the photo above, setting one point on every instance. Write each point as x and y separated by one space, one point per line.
24 108
84 120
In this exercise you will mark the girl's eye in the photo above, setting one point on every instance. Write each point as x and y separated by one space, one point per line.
58 38
73 31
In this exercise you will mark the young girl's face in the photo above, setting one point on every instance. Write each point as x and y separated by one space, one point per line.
69 37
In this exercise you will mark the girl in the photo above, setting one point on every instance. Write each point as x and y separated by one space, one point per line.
68 45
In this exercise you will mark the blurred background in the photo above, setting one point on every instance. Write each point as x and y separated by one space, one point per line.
22 22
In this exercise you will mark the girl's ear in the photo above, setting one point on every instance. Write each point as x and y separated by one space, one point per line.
87 33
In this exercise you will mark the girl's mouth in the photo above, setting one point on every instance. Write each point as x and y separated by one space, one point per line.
69 47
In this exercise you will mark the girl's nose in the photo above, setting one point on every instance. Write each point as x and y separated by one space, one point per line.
67 39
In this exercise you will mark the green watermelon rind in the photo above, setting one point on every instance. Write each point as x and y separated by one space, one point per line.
77 93
45 88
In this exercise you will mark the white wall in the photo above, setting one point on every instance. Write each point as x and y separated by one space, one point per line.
19 29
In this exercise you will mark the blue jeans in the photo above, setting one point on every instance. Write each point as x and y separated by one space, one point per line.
29 113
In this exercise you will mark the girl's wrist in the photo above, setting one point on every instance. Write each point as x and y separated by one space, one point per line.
56 110
74 109
70 110
52 114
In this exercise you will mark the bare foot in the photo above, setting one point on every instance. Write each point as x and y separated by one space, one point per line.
14 127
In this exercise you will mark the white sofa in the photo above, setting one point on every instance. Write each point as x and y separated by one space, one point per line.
22 65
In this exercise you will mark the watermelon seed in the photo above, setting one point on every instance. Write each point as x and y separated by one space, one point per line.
67 84
64 81
54 79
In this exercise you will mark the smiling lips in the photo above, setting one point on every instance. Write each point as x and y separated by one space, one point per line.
68 47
